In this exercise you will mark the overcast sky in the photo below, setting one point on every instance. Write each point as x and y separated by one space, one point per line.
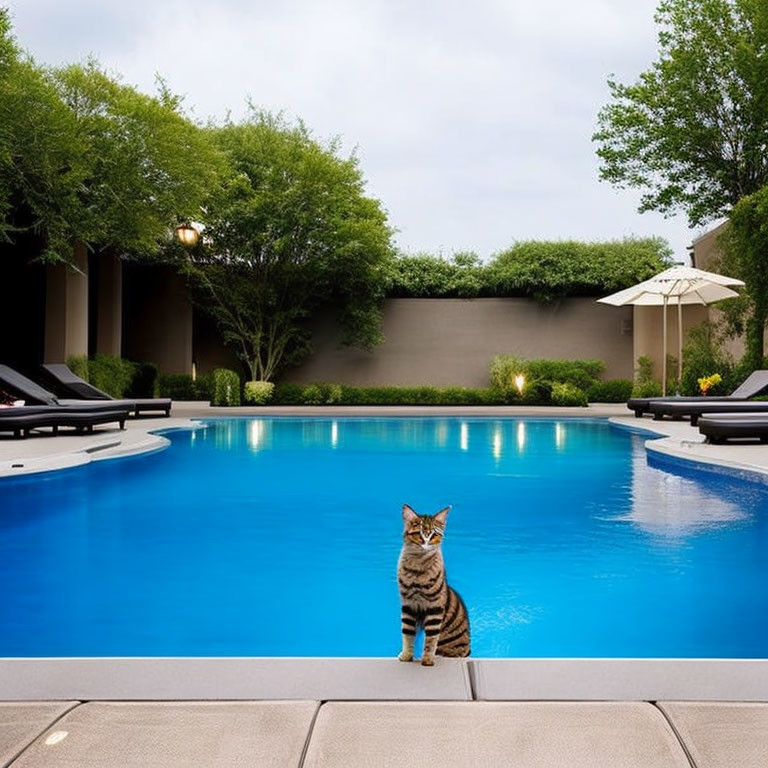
472 121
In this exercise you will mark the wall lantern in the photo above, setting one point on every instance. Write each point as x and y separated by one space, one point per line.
187 234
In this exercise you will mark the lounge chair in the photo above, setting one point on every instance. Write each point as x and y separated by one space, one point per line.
79 388
696 408
36 395
721 427
22 419
754 384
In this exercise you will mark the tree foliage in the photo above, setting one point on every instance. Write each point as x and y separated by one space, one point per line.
744 251
86 157
144 164
289 231
552 270
543 270
692 131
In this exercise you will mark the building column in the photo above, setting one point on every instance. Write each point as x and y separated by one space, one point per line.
158 318
109 323
66 308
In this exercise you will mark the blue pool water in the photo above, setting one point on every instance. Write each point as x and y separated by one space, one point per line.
280 537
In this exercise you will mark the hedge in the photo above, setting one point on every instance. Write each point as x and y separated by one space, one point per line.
543 270
181 386
117 377
538 393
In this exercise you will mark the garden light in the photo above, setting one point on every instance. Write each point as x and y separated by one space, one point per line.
520 382
187 234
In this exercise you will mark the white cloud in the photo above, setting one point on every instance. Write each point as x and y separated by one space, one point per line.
472 122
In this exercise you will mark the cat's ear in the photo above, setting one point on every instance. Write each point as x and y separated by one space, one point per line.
408 514
442 516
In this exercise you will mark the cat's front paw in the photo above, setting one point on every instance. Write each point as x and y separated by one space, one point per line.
403 656
427 661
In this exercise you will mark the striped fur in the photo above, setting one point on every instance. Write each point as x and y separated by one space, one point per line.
427 602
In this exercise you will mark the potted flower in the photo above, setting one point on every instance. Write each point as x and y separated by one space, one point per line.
707 382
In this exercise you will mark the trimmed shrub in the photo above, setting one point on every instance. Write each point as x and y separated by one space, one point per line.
225 387
112 375
580 373
610 391
504 368
647 389
312 395
78 364
322 394
144 382
537 392
258 392
287 394
180 386
567 394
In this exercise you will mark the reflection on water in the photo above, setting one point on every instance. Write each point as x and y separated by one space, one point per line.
667 504
559 436
464 436
520 436
256 434
498 442
335 433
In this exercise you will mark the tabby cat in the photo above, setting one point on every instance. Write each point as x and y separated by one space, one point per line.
426 599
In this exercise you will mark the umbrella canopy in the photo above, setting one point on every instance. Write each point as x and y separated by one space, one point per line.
683 285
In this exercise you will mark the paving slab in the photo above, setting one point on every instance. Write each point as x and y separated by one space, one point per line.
206 734
620 679
720 735
22 722
487 735
147 679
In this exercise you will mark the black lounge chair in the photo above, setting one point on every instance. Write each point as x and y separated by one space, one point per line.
694 409
721 427
79 388
22 419
754 384
36 395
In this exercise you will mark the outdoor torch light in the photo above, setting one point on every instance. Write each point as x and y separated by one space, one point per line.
520 382
187 234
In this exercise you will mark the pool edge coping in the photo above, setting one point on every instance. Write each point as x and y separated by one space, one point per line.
365 679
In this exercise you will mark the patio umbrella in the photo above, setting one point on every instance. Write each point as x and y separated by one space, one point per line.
686 285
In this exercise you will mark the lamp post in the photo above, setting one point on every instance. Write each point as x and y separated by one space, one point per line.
187 234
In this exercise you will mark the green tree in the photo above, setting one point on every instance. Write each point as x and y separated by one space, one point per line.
40 166
692 130
144 163
288 232
86 157
744 249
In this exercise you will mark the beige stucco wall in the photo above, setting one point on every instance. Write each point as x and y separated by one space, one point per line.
648 324
446 342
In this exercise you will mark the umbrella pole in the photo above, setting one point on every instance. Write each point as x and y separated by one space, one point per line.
679 345
664 348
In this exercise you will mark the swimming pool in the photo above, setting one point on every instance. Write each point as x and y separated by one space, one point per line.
280 537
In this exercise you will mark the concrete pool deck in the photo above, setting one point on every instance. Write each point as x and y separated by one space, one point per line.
643 713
